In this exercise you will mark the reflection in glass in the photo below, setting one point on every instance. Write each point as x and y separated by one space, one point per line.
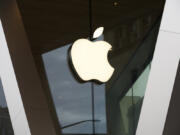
100 109
72 99
5 122
130 104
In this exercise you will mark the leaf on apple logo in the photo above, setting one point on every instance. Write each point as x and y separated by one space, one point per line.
98 32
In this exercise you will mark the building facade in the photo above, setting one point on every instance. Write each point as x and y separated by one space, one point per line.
41 95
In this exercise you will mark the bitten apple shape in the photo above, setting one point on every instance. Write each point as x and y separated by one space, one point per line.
90 60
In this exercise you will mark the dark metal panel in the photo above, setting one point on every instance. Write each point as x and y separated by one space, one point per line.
172 126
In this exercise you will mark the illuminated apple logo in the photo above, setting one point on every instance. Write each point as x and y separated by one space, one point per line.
90 59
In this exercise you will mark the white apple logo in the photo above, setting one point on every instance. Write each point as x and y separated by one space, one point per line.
90 59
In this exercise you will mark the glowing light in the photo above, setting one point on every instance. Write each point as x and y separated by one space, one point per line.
90 60
98 32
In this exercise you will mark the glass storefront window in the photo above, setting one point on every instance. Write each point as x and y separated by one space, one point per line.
72 99
130 104
131 37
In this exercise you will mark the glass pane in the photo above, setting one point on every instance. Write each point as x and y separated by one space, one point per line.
139 88
72 99
5 122
140 84
126 115
100 109
130 104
